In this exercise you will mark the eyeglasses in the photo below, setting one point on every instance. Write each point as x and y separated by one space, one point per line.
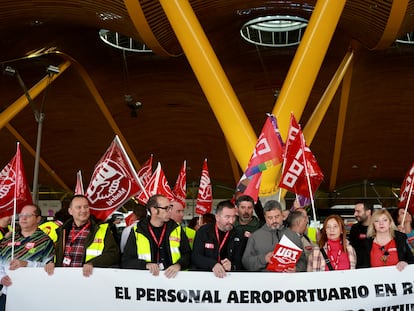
165 208
26 215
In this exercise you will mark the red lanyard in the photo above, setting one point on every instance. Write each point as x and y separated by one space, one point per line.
158 242
331 257
222 242
76 236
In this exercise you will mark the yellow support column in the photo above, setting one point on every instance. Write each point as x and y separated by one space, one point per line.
346 86
304 70
316 118
223 101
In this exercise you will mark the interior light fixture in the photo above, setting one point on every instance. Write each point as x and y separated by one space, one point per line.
274 31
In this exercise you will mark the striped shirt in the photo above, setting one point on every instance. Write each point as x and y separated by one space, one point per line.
38 248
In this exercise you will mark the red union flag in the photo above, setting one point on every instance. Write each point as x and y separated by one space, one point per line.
180 187
158 184
301 173
205 193
250 186
145 171
406 195
269 147
13 186
144 174
113 181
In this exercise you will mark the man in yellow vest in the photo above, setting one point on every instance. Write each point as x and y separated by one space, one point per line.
83 242
177 214
157 243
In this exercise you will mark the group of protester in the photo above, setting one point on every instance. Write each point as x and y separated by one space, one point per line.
234 240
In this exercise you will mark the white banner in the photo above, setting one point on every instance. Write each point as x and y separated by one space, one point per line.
373 289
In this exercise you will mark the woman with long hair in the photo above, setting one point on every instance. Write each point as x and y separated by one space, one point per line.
386 246
333 251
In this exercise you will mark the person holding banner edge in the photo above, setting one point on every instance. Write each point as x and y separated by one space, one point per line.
83 242
32 248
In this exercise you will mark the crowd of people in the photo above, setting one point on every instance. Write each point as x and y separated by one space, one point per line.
239 236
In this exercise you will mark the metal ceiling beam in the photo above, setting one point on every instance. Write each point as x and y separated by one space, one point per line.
395 20
142 27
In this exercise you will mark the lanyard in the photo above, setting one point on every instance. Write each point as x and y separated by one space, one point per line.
158 242
222 242
331 257
76 236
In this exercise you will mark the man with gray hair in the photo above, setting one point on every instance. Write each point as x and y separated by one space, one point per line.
260 245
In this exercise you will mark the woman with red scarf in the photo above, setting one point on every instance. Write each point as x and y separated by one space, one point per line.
333 251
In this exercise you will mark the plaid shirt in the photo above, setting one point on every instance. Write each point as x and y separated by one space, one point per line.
75 245
316 262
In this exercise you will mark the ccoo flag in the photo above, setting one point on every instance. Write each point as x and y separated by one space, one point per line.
13 186
144 175
406 195
300 170
180 187
114 181
205 194
158 184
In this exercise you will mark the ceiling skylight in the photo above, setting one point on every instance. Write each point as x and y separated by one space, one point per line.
274 31
122 42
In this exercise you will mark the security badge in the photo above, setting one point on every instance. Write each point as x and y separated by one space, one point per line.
67 261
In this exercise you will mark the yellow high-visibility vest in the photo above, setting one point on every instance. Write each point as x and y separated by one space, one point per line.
144 248
190 235
97 246
50 227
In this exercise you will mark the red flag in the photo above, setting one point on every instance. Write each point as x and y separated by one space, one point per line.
180 187
144 174
406 187
250 185
113 182
13 186
269 148
79 184
158 184
145 171
300 164
205 194
268 152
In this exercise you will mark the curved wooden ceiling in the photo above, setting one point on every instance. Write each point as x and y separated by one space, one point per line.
175 122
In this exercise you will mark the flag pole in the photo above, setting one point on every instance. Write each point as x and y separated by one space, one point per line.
302 143
13 224
407 203
118 141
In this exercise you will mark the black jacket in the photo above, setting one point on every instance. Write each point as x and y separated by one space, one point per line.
108 258
206 248
130 256
403 250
